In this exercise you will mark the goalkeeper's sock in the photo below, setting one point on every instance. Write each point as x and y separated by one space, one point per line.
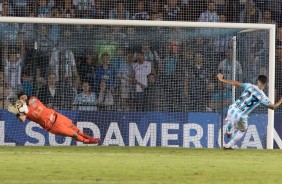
237 136
86 136
79 132
76 129
82 139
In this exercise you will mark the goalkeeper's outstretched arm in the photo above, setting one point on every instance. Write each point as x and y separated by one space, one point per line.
231 82
14 109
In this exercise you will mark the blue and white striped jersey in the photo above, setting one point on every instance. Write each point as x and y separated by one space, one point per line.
248 101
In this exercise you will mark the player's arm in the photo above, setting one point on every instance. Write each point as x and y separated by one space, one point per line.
231 82
275 105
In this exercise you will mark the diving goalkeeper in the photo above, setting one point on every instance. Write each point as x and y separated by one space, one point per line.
32 108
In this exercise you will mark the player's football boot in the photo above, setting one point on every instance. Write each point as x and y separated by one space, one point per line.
228 148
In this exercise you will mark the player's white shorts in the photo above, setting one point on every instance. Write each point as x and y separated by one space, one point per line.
238 122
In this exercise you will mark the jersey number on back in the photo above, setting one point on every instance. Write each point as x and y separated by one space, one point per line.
246 98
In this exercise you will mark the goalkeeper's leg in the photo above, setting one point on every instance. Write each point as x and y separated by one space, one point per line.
69 132
79 138
64 126
97 140
77 130
60 129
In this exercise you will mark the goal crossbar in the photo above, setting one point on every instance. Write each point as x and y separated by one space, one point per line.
109 22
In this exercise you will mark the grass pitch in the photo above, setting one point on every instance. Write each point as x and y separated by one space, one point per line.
136 165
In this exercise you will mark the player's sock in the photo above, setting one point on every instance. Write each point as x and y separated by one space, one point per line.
229 130
237 136
228 126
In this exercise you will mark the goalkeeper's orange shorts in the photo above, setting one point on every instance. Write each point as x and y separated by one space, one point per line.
62 126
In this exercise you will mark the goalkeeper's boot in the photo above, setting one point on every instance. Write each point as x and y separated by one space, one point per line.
94 140
87 136
229 130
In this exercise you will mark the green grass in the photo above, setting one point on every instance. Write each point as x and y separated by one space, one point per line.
35 165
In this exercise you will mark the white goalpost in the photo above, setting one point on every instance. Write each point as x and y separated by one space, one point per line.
230 29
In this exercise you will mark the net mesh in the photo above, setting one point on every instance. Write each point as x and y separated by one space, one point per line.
129 71
145 77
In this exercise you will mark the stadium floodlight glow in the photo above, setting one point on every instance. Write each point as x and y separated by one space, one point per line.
239 27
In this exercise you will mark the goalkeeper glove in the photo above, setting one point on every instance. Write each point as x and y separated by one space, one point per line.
19 105
13 109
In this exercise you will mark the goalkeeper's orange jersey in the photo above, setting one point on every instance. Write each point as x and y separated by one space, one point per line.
40 114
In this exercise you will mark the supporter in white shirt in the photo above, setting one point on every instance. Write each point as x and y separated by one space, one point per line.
13 63
86 100
210 15
141 70
68 62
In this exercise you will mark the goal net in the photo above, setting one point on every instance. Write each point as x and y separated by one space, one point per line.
134 83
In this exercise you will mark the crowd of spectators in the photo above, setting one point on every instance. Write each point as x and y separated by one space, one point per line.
118 68
244 11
